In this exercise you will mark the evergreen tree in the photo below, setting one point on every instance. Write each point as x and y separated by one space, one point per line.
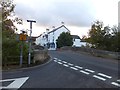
65 39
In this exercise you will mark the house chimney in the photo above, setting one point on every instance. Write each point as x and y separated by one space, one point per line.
62 23
53 27
47 30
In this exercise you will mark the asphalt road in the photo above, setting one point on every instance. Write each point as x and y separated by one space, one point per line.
66 69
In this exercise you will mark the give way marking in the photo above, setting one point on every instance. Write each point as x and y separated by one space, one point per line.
17 83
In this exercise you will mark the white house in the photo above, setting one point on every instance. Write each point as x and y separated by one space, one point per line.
77 41
48 38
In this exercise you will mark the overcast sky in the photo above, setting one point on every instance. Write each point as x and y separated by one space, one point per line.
78 15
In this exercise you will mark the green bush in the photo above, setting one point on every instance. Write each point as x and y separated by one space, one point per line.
11 51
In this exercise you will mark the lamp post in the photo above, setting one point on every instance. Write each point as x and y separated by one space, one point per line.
29 54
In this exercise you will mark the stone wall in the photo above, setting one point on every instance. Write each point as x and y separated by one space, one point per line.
94 52
40 55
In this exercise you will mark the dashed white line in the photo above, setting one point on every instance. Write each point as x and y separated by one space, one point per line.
65 65
64 62
99 77
118 80
55 58
55 61
101 74
70 64
59 60
60 63
89 70
116 84
74 68
79 67
84 72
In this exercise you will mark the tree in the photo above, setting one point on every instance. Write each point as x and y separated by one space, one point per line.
115 38
7 8
105 38
96 34
10 46
84 38
65 39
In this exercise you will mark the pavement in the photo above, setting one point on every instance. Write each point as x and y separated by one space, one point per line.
66 69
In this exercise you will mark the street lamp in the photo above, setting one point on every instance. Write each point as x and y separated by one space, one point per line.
29 55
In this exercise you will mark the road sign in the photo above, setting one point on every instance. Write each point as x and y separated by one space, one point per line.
23 37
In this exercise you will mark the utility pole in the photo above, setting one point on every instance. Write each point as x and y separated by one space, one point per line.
22 38
29 54
21 54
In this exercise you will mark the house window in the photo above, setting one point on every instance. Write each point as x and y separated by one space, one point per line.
73 39
53 38
52 45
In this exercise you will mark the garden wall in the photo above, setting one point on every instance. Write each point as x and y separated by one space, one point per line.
95 52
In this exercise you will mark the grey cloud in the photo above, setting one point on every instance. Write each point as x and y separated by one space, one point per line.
71 12
75 13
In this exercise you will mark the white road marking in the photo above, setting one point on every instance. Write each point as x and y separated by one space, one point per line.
64 62
55 58
99 77
74 68
84 72
70 64
116 84
118 80
55 61
79 67
101 74
59 60
65 65
89 70
60 63
17 82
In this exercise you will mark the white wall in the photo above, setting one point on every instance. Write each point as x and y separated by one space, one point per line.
83 43
59 31
78 43
40 40
37 41
55 35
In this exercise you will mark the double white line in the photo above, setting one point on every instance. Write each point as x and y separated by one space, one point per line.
84 72
74 68
116 84
103 75
95 76
65 65
79 67
100 76
91 71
